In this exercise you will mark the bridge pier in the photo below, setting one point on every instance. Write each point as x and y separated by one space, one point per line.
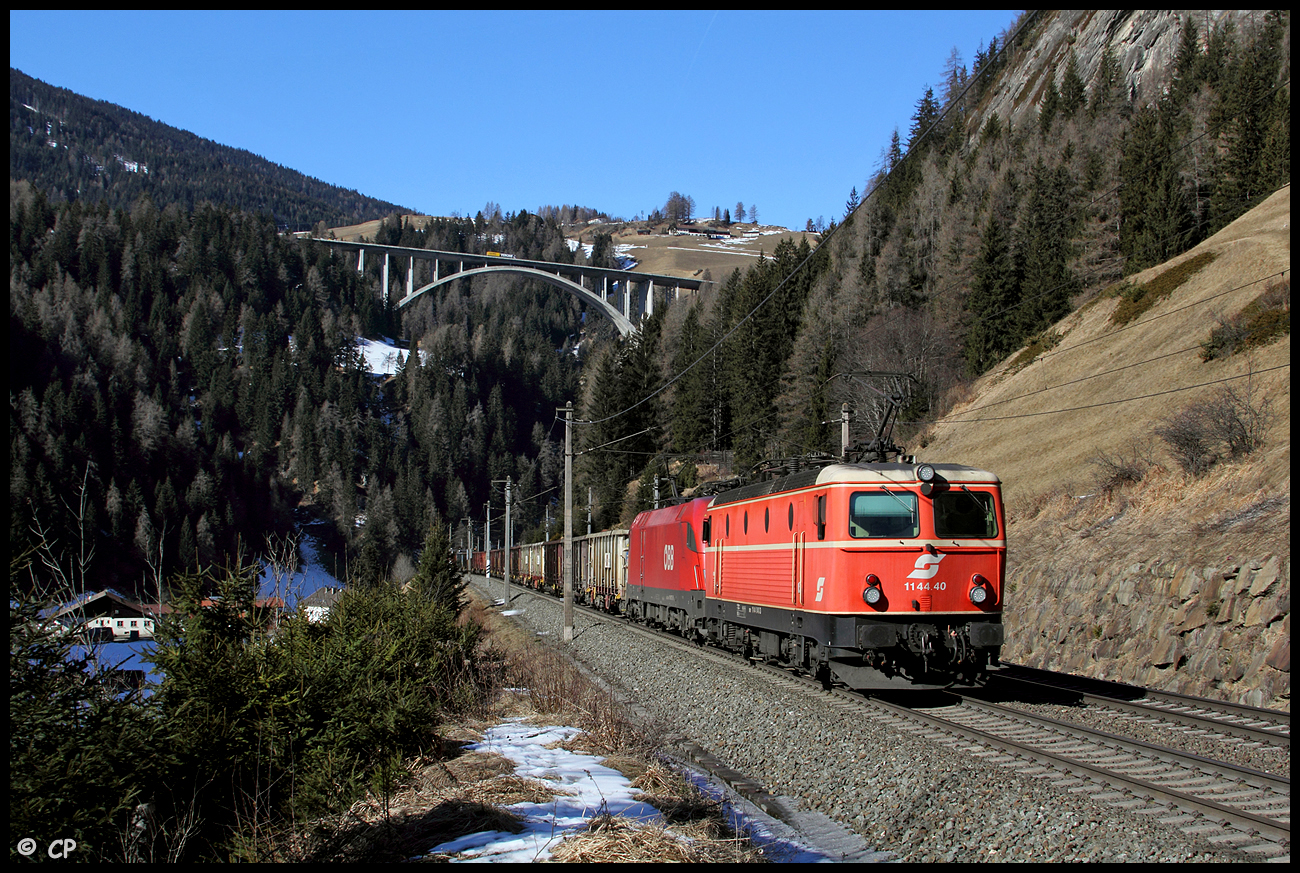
385 278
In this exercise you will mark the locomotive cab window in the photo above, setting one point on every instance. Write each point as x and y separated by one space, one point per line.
965 513
883 513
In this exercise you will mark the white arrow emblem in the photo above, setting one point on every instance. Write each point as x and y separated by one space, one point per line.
927 567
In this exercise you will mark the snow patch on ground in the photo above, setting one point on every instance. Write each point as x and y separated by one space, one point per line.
587 789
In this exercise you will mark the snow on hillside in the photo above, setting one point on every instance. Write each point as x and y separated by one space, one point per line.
621 253
381 356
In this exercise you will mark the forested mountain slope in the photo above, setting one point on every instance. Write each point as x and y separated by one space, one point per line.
73 148
181 381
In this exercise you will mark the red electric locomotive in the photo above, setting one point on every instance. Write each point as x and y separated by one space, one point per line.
880 575
666 584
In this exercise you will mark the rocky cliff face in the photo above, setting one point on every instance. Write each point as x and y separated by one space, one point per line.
1145 42
1222 632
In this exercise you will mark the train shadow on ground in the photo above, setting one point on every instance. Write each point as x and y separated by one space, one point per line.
913 699
1001 689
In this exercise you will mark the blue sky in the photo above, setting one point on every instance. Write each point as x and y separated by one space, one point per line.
443 112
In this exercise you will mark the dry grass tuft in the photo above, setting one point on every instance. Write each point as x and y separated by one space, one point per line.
658 779
631 766
609 839
558 690
474 767
369 832
680 802
511 789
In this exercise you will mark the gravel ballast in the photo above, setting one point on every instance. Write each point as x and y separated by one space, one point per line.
905 794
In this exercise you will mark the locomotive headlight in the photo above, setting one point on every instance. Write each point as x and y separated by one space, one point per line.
872 594
979 591
925 473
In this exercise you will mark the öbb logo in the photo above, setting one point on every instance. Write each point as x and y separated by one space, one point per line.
668 557
927 567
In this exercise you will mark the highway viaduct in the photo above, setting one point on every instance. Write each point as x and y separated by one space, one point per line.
623 296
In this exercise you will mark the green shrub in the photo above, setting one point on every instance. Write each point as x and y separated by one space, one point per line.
1261 321
1137 299
1043 342
81 754
272 728
252 731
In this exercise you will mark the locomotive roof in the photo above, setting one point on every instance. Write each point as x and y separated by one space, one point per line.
877 474
886 473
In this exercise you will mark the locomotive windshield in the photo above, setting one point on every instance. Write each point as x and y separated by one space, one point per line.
965 513
883 513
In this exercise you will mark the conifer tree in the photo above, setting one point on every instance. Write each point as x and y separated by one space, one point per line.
1044 252
1155 212
1073 96
992 302
1050 106
437 578
602 469
692 409
1249 118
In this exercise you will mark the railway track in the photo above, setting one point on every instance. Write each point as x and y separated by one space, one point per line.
1224 803
1250 723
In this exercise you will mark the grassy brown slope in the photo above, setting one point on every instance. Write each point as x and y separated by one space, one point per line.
1013 424
368 229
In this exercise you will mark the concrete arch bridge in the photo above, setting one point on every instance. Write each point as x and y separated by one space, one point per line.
623 296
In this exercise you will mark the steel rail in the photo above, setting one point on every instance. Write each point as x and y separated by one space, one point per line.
1257 778
1238 818
1270 725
